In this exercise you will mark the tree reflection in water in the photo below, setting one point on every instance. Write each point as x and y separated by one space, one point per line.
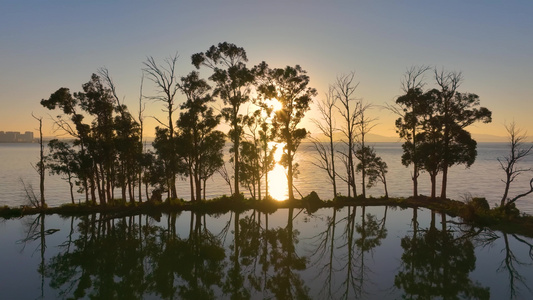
436 264
345 256
122 258
186 257
132 258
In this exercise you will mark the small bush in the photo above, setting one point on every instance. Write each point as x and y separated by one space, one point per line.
480 204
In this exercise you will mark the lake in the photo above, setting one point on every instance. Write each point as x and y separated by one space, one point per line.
346 253
483 179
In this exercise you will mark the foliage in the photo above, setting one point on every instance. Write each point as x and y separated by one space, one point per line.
232 84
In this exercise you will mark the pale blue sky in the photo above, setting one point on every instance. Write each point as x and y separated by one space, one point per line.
50 44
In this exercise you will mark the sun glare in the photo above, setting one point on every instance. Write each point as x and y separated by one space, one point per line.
274 103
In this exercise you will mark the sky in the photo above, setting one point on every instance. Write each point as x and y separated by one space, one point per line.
45 45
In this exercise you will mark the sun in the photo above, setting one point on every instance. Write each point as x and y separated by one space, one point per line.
274 104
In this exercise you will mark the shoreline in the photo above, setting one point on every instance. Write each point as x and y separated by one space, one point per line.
472 213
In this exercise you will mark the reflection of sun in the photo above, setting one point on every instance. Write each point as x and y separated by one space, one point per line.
277 183
277 178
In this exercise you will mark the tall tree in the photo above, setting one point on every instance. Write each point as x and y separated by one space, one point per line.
41 167
96 139
349 109
197 125
165 80
63 100
289 86
260 134
364 125
429 138
409 107
128 142
232 84
457 110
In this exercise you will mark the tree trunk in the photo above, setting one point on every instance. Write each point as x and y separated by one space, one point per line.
506 190
415 181
236 143
289 173
191 182
444 181
433 177
198 184
41 163
71 189
332 164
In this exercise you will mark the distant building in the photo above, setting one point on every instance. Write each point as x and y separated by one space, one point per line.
27 137
16 137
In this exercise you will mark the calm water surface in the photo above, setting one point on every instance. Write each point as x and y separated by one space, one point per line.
348 253
483 179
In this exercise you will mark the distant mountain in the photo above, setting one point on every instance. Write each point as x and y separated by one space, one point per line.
370 137
482 138
488 138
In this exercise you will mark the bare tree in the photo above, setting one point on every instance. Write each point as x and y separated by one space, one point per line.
40 165
326 125
349 109
165 79
223 171
517 152
142 107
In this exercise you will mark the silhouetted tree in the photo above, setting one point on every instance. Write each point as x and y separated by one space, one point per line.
128 142
349 109
409 108
326 126
364 125
165 79
167 152
97 140
232 84
197 132
509 164
289 87
64 100
41 166
212 156
457 110
376 168
249 167
64 160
